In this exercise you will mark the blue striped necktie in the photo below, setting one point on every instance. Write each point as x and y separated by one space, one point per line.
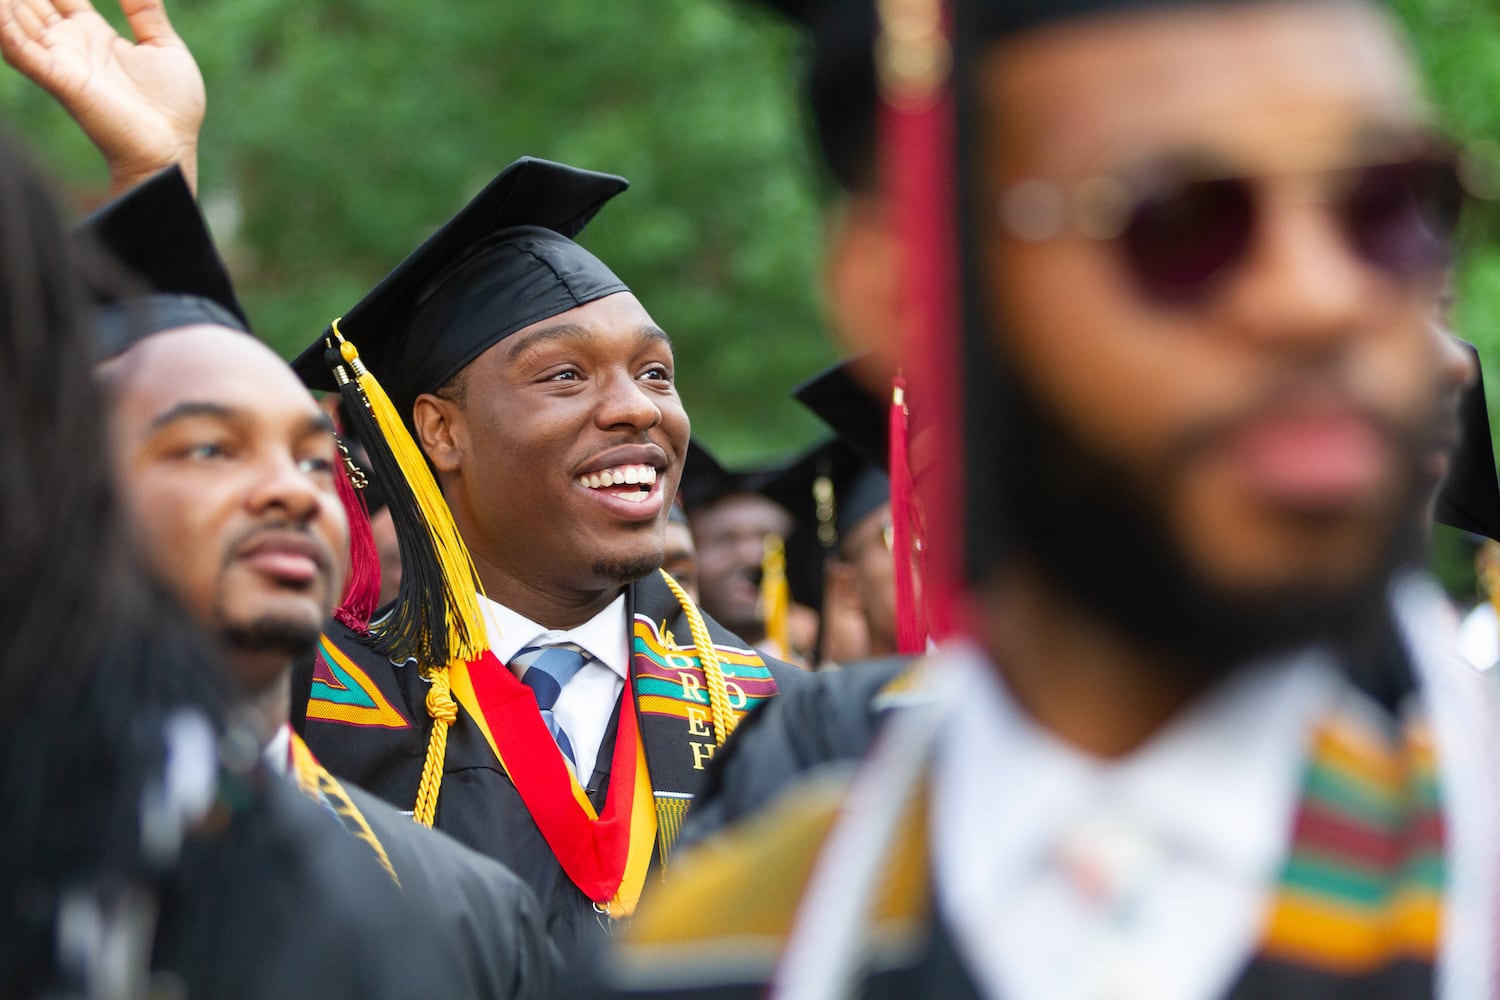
546 667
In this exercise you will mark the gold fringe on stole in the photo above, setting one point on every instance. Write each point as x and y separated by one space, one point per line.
724 719
671 807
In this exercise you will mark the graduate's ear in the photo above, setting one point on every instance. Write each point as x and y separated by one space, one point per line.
862 281
440 430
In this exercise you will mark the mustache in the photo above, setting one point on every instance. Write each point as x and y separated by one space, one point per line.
326 558
1315 394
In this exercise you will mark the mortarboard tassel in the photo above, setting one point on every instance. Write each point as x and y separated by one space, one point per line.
362 587
917 131
911 631
436 617
775 595
416 626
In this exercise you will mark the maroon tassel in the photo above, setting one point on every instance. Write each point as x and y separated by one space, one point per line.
911 625
917 143
362 586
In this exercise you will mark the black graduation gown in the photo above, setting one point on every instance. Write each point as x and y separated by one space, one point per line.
478 805
488 922
271 904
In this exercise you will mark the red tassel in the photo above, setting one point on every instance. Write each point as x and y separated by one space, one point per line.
911 628
362 586
917 135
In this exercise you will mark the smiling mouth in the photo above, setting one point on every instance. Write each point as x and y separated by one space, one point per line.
628 482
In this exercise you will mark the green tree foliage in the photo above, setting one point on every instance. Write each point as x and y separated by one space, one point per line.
341 132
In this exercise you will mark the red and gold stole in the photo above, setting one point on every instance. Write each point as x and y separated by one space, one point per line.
605 854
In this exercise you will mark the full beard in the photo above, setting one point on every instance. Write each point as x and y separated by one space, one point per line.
1101 538
269 635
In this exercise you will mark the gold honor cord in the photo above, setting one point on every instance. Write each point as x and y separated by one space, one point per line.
724 719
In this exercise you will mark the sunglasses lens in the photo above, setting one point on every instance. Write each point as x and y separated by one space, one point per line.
1402 216
1179 241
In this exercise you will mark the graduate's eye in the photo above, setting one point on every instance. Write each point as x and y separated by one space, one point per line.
205 451
657 373
566 375
316 465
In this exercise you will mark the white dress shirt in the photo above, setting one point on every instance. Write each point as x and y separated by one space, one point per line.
1067 876
277 753
587 702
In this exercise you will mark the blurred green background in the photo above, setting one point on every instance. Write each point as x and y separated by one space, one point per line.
341 132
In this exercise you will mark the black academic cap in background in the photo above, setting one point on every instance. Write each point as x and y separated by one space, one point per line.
828 490
1470 497
705 480
857 415
505 261
840 71
156 234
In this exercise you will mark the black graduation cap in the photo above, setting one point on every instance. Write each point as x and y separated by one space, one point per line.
840 78
1470 497
505 261
828 490
705 480
156 233
857 415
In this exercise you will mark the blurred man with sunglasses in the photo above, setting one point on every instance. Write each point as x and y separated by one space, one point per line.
1204 737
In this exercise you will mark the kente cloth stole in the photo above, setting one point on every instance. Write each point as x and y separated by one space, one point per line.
317 784
672 694
1360 896
605 853
1357 909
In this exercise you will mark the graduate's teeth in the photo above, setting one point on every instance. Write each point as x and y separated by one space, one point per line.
624 475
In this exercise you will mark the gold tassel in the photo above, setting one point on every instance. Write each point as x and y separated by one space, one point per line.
775 595
466 638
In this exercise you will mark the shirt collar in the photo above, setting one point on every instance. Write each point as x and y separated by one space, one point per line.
278 751
1220 781
605 636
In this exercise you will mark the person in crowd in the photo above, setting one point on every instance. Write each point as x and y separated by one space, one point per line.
680 561
741 535
227 467
1201 401
146 852
555 564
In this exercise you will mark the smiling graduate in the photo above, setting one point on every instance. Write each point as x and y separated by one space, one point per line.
528 431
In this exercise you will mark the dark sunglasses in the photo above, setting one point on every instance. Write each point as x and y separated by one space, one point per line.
1181 235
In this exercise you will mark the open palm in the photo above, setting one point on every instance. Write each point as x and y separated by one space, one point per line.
140 102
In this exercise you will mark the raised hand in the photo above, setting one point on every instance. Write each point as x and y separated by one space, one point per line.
140 102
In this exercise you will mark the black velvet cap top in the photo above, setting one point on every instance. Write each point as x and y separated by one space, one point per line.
840 87
828 490
1470 497
706 481
156 233
859 417
505 261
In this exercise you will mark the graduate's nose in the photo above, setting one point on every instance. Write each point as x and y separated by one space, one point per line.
285 485
625 402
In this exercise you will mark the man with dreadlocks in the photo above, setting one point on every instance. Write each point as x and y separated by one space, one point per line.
144 852
538 689
1205 736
